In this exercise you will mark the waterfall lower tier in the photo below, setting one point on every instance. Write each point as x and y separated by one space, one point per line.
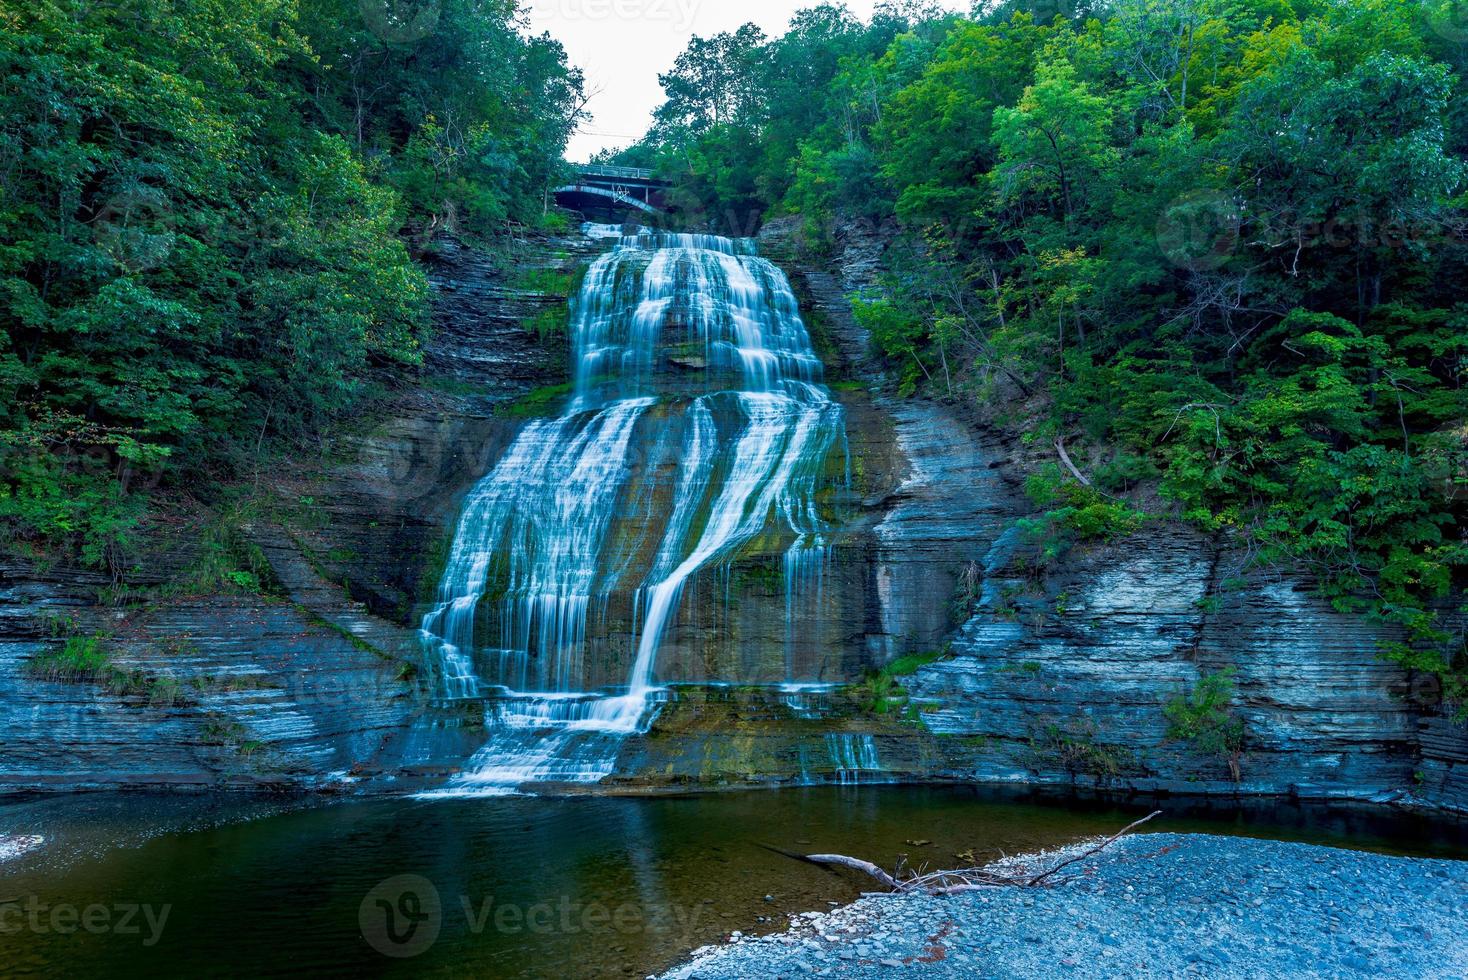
567 738
697 428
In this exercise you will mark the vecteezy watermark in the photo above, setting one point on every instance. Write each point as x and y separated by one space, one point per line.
400 21
30 914
403 917
1447 18
1199 230
679 13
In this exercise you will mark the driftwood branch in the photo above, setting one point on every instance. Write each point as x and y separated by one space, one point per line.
856 864
1095 850
967 879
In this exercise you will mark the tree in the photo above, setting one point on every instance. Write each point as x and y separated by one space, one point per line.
200 208
1053 146
714 83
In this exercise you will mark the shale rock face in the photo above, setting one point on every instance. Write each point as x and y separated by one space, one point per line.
317 688
1058 679
1071 681
234 692
1066 679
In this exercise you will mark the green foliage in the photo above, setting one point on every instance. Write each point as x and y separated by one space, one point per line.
897 337
221 730
1203 717
1079 752
1209 245
79 659
881 694
1072 513
551 322
556 282
85 660
202 207
881 691
227 561
913 662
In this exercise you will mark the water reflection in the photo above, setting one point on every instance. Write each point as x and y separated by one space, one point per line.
529 887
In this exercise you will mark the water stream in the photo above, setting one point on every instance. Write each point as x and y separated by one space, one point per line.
698 423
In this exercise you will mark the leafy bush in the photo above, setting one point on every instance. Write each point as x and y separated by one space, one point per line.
1073 513
1203 717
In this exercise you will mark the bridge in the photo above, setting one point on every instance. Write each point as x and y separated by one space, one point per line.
612 192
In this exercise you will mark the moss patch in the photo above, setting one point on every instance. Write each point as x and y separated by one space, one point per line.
86 660
540 403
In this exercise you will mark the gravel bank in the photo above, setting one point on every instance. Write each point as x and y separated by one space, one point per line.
1151 905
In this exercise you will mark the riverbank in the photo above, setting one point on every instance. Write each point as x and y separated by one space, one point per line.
1151 905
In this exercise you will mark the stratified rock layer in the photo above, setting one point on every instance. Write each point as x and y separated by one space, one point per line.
1062 679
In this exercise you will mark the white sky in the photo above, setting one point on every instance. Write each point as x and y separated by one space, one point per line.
623 45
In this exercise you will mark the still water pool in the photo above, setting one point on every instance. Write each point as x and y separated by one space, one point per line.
520 887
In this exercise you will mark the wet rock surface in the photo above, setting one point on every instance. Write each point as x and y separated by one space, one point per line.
1156 905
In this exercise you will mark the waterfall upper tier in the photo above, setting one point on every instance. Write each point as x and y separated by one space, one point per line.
664 314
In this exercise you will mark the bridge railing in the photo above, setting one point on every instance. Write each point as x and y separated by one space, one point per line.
623 173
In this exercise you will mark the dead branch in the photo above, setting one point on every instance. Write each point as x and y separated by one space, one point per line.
1085 481
1065 458
967 879
1097 849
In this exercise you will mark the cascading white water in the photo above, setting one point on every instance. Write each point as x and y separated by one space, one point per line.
543 543
852 755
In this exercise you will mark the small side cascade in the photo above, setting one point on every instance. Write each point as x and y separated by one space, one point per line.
854 756
806 566
699 410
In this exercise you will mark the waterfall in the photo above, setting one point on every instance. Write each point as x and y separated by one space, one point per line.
852 755
698 423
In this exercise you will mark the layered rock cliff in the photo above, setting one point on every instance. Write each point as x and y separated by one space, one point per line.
1065 677
1060 678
